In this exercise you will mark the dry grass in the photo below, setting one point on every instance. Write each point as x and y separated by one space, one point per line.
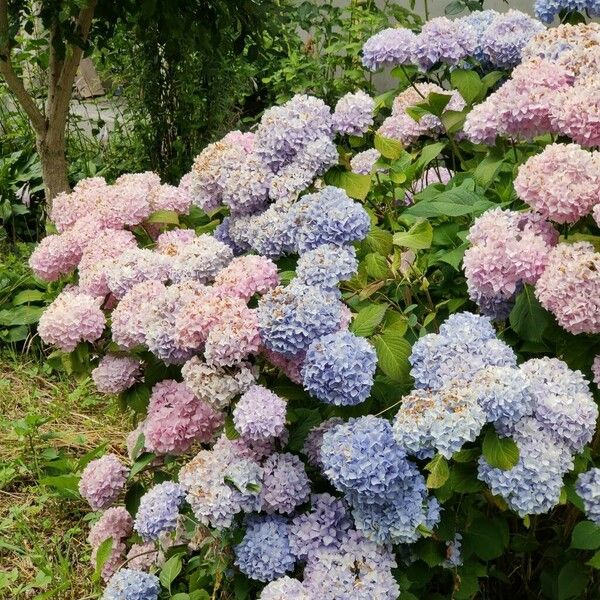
46 425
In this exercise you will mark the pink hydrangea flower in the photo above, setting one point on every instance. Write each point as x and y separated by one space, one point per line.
142 557
169 241
72 317
169 197
176 419
115 523
115 374
570 287
55 256
260 414
562 183
102 481
247 275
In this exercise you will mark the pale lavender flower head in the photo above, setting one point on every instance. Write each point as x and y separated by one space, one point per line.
588 488
353 113
363 163
260 414
129 584
102 481
388 48
285 483
115 374
159 510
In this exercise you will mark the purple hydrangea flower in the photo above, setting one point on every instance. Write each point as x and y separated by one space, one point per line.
285 483
339 368
264 554
443 40
115 374
324 527
588 487
260 414
314 441
353 113
388 48
326 266
159 510
363 163
285 588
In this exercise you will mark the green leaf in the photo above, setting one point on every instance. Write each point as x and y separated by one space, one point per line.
438 472
454 257
487 538
594 561
453 120
181 596
170 571
430 552
25 296
368 319
528 318
436 103
586 536
167 217
468 83
418 237
136 397
199 595
103 554
379 240
66 485
388 147
356 186
487 169
392 353
501 453
429 153
454 202
143 461
376 266
572 581
22 315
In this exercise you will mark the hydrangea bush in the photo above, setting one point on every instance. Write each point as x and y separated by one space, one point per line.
359 343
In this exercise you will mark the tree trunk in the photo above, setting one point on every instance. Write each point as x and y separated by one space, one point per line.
52 150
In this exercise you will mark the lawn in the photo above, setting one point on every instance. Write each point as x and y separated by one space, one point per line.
48 425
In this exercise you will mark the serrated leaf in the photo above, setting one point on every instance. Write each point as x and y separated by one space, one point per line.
468 83
379 240
487 169
167 217
170 571
66 485
487 538
594 561
586 536
21 315
438 472
392 354
418 237
387 147
356 186
528 318
429 153
572 580
376 266
368 319
501 453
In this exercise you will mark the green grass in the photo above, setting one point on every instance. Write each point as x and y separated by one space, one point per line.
47 424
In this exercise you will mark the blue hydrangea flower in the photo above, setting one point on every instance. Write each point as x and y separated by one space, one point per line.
563 403
128 584
285 588
223 234
479 20
534 484
453 553
285 483
395 516
327 217
158 510
264 554
445 41
268 233
285 130
442 420
361 569
588 488
353 113
326 266
465 345
291 318
504 394
362 456
506 37
324 527
547 10
339 368
388 48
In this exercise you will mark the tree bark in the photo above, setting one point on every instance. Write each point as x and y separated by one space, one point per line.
52 150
